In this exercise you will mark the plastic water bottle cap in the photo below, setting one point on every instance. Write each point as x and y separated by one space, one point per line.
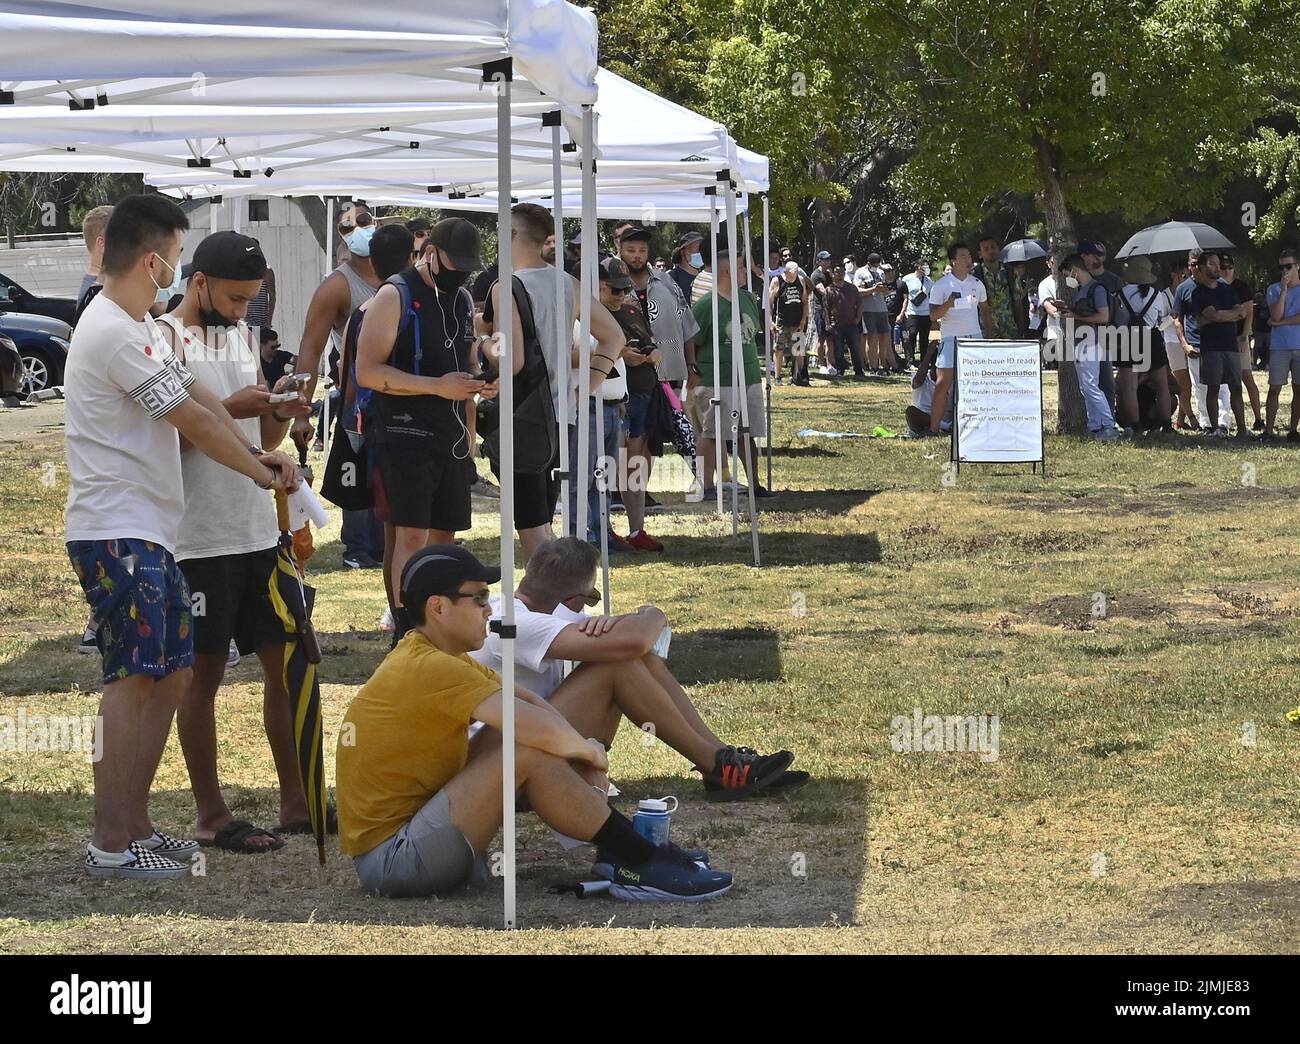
653 805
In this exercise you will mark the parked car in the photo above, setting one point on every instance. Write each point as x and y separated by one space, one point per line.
11 369
13 298
43 346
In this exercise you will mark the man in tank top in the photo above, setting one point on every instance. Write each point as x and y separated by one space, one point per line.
344 290
229 533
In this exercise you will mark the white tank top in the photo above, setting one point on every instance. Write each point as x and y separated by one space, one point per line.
225 512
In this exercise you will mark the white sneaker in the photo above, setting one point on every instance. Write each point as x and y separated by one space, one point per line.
386 622
88 643
232 657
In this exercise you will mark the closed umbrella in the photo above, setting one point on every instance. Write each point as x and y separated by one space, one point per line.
1175 237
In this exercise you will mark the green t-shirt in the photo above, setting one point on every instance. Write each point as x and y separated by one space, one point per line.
751 321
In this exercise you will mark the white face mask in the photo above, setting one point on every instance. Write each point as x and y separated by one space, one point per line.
166 293
1071 282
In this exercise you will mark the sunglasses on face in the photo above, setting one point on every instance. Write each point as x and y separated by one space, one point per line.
589 598
1288 265
482 598
618 289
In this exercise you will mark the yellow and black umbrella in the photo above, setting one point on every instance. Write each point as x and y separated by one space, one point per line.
293 600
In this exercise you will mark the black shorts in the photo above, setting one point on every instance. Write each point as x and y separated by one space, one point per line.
535 495
230 595
418 486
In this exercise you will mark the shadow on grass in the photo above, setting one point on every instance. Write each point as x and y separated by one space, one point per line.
777 547
798 860
745 654
51 665
803 451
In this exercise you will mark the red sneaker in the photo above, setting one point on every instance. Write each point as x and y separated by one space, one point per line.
643 541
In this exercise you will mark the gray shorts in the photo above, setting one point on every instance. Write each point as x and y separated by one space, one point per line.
875 322
1221 368
428 856
1283 361
753 400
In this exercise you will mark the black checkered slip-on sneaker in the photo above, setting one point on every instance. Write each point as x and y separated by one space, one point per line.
145 866
170 847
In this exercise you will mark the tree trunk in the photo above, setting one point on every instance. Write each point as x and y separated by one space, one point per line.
313 209
1071 417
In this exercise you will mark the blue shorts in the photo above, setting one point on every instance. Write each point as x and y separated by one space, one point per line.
140 602
638 407
947 358
819 318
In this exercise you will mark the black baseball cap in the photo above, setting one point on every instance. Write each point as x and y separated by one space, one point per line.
613 270
461 241
1092 246
440 569
228 255
636 233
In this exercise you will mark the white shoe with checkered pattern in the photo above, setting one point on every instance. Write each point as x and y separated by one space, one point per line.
161 844
145 865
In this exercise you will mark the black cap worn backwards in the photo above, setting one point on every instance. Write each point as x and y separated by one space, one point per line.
461 241
228 255
440 569
636 233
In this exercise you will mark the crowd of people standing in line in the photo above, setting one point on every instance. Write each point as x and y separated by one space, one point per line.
176 539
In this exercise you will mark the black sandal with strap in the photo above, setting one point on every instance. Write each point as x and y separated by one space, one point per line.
234 837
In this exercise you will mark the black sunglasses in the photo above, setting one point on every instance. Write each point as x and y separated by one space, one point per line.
481 598
1288 265
591 597
618 289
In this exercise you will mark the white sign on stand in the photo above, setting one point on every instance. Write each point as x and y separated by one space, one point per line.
998 411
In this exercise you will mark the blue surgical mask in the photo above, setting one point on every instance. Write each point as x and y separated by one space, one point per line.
697 260
166 293
358 240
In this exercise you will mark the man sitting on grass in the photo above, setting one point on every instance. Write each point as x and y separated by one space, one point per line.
419 804
618 675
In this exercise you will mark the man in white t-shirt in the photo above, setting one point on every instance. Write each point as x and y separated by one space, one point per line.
959 304
228 541
127 397
619 672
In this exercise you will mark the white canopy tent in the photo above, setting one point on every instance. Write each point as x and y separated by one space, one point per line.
327 53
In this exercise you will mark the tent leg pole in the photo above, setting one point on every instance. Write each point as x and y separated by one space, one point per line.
767 252
505 321
563 331
738 369
587 284
716 403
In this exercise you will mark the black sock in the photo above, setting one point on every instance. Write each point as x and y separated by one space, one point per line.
619 838
401 624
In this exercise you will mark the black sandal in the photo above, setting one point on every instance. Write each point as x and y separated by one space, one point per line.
234 837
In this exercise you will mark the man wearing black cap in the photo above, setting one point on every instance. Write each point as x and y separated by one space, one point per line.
421 370
127 397
228 537
419 803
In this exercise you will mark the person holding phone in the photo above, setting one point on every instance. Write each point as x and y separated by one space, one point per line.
959 304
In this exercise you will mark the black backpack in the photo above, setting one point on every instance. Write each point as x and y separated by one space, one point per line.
537 435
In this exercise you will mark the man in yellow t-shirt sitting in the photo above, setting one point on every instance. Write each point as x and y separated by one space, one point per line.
417 809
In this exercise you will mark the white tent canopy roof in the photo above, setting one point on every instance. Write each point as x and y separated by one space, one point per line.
51 48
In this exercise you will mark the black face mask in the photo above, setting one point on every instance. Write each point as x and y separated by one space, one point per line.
448 280
211 318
